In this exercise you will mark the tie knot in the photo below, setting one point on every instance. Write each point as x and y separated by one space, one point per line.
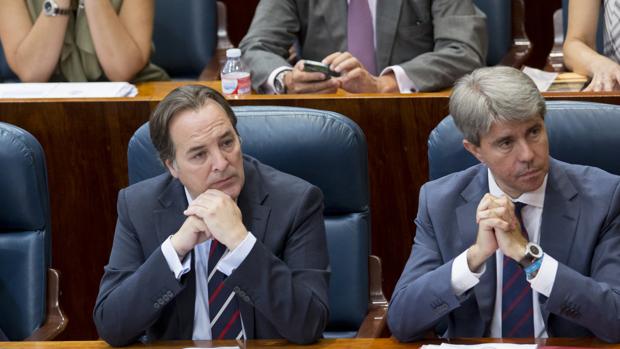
519 206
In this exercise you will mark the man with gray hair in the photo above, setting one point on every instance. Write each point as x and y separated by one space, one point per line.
492 254
220 246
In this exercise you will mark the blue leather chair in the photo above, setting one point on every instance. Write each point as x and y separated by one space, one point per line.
185 36
28 288
499 28
328 150
579 132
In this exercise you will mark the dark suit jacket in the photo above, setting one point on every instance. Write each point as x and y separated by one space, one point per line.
434 41
282 285
580 228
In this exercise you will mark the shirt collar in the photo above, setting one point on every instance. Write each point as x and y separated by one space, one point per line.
187 196
534 198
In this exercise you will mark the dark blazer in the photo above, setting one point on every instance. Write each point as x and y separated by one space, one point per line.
282 285
580 228
434 41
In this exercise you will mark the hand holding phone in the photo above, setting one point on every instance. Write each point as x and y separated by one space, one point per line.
318 67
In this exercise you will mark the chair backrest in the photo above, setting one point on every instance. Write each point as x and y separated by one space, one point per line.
599 30
499 27
185 36
579 132
329 151
24 232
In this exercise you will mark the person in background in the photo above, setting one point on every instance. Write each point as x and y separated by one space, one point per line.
78 41
219 246
520 245
376 46
580 53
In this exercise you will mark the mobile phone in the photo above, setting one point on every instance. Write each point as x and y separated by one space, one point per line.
314 66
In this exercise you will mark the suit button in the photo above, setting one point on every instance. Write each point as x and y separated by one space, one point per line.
166 298
170 294
156 305
236 289
160 301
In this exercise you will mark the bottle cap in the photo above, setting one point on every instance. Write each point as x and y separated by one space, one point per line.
233 53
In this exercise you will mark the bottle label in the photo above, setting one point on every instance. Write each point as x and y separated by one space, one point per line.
237 83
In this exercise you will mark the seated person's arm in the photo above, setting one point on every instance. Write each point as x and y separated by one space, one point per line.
32 50
266 45
123 41
580 47
460 41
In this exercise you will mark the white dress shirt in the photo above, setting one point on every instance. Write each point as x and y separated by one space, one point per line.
227 264
405 85
463 279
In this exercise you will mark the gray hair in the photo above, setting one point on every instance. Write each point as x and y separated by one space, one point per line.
493 94
188 97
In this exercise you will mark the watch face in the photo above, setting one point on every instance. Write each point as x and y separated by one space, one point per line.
48 7
534 250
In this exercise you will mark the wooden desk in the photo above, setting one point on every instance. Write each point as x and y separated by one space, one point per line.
85 142
380 343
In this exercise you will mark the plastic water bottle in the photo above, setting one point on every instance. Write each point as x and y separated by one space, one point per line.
235 78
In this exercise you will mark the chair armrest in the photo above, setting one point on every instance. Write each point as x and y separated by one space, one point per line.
374 325
212 71
55 320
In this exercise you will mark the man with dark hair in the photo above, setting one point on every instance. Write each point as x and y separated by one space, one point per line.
218 247
520 245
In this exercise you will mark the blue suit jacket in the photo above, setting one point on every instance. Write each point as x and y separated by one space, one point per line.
282 284
580 228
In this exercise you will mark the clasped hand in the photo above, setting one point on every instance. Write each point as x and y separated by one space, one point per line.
213 214
498 227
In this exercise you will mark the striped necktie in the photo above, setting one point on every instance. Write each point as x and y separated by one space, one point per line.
517 310
223 304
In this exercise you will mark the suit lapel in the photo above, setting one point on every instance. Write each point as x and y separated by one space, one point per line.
332 11
560 216
466 216
386 23
169 218
255 217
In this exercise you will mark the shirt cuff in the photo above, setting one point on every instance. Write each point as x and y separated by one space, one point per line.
463 279
234 258
177 267
544 279
269 86
405 85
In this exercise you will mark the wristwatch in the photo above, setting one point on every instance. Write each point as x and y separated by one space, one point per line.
279 84
51 8
532 253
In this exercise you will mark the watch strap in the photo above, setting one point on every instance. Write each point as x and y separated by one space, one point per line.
279 85
532 269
